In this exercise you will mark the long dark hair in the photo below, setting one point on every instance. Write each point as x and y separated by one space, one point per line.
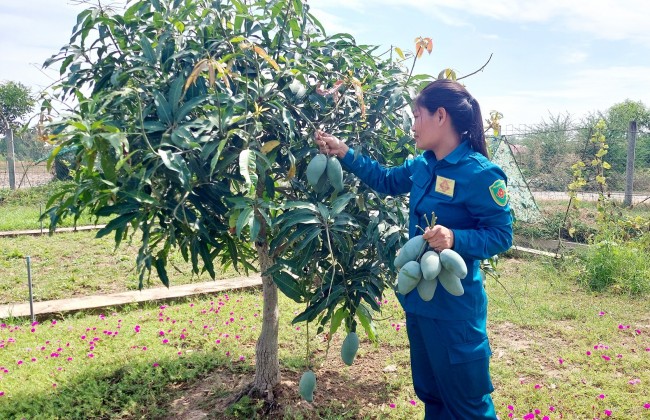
464 110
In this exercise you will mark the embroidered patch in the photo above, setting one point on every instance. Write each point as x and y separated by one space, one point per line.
499 192
445 186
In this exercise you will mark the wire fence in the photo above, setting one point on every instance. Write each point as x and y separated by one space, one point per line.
23 161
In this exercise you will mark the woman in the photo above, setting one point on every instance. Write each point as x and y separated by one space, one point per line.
453 177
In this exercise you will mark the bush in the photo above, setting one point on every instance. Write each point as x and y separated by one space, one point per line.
619 267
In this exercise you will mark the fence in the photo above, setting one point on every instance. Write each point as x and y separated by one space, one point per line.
27 174
23 161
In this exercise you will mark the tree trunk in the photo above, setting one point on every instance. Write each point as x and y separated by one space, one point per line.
267 365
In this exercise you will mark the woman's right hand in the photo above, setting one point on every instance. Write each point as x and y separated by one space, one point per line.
330 145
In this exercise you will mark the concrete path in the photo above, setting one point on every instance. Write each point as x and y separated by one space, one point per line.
115 299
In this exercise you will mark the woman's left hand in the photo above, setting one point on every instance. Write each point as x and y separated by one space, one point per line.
439 237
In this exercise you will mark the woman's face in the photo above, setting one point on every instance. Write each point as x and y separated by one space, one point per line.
425 128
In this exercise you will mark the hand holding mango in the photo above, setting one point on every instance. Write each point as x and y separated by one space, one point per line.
423 268
323 168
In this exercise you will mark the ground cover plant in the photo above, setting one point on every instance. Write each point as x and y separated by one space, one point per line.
559 351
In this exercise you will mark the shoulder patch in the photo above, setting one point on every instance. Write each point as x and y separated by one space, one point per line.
499 192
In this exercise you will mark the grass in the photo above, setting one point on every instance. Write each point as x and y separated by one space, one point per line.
556 349
76 264
21 209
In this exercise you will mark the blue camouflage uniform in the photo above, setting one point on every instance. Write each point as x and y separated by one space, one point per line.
447 335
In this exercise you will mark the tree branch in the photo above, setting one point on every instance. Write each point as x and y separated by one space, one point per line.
481 69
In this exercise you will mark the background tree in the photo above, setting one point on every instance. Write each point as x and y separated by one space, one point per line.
194 127
617 119
16 101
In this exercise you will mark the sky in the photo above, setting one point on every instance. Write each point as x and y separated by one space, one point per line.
549 57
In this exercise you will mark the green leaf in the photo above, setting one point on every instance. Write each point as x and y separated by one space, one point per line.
215 158
288 285
147 50
337 318
116 223
159 263
243 219
339 204
247 168
188 107
363 313
162 108
175 93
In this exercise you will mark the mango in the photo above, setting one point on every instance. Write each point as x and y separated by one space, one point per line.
307 385
410 251
454 263
335 173
430 265
427 288
349 348
316 168
408 277
450 282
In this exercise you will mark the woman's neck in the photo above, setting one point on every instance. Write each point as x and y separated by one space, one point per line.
445 147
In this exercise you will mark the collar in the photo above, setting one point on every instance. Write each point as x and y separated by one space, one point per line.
452 158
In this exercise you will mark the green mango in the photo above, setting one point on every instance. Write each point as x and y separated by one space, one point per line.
427 288
450 282
408 277
349 348
307 385
430 265
335 173
410 251
454 263
316 168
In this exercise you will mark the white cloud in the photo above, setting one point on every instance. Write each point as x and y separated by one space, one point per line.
581 93
603 19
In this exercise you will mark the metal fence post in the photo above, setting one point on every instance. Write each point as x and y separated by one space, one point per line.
11 163
29 285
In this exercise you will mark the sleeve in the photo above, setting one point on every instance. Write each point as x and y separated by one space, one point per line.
489 207
392 181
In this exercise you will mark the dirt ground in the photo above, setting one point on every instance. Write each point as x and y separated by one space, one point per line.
361 391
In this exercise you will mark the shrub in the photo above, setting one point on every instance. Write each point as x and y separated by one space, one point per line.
619 267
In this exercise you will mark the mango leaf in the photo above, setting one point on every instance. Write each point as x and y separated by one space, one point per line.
243 219
247 169
400 53
337 318
269 145
163 109
288 285
363 313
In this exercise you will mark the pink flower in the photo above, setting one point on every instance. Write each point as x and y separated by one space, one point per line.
156 365
2 393
588 353
561 361
538 411
537 386
413 402
601 396
529 416
634 381
242 358
646 406
607 358
546 418
608 413
161 333
20 362
601 313
392 405
165 341
511 408
90 355
551 408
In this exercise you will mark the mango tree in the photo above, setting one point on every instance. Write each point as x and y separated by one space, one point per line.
193 127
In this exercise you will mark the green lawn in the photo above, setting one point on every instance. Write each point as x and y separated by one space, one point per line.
556 349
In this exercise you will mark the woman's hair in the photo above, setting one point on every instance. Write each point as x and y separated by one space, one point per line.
464 110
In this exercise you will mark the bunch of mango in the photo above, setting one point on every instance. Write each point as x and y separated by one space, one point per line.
425 271
321 169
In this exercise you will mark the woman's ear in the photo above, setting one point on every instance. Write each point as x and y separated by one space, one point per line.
441 115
